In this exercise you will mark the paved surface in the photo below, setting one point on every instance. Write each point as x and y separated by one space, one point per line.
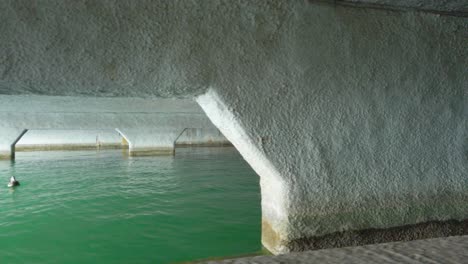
439 250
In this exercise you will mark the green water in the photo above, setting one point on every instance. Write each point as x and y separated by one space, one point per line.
102 207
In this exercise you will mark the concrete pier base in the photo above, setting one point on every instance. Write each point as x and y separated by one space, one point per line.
328 197
162 151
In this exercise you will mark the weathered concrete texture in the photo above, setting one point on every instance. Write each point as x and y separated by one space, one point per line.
354 118
440 250
363 126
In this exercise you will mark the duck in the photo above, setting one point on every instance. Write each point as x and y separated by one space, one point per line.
13 182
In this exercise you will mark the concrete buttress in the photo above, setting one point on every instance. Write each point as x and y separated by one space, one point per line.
9 137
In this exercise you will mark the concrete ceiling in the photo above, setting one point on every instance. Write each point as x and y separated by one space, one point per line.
150 48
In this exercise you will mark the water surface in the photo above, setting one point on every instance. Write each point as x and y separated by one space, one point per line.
103 207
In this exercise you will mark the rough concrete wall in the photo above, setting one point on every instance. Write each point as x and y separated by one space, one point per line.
362 113
372 107
354 118
169 48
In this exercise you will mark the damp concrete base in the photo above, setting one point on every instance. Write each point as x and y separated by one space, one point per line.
438 250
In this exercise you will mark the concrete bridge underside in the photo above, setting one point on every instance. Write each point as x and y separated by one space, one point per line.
150 128
353 116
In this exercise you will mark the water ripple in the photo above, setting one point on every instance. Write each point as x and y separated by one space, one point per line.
103 207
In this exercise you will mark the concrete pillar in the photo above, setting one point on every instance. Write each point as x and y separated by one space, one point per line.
150 142
8 138
398 173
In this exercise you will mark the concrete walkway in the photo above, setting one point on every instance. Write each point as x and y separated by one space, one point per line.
439 250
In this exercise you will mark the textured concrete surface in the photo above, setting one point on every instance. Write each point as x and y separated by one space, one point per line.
453 250
354 118
365 128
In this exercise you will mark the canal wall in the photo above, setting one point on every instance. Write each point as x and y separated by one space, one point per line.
354 117
36 140
202 137
151 127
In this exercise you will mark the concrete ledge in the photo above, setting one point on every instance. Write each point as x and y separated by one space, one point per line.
439 250
152 152
68 147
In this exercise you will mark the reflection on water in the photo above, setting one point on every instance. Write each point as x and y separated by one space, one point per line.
102 207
